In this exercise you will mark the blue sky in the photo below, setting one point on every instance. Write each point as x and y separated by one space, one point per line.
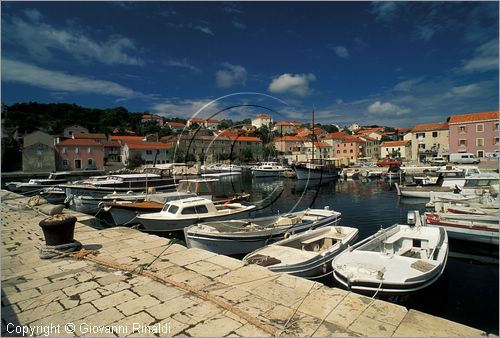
387 63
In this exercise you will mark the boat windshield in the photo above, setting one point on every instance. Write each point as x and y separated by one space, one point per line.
173 209
165 207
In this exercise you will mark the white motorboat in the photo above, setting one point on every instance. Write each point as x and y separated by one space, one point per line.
177 215
268 169
397 260
36 185
220 168
308 254
450 181
351 173
243 236
373 173
474 228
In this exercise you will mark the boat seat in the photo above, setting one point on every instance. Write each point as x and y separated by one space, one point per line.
317 243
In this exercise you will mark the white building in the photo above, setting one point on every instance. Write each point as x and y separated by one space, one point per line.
262 120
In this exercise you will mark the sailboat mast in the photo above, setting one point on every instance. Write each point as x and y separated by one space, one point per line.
313 137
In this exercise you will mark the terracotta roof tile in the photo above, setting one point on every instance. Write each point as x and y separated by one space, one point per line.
79 142
176 124
148 145
475 117
430 127
90 136
394 143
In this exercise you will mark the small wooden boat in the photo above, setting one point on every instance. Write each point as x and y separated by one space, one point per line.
308 254
243 236
176 215
397 260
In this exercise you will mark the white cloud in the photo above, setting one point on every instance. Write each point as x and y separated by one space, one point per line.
341 51
230 76
239 25
33 14
204 29
485 58
297 84
387 108
185 108
425 32
385 10
407 85
181 64
470 89
39 39
15 71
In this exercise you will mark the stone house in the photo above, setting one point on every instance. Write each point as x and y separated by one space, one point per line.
401 149
75 129
39 152
428 141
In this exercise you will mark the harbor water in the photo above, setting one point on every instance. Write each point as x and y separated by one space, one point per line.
467 293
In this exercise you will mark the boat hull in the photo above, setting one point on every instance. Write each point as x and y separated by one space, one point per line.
305 173
243 243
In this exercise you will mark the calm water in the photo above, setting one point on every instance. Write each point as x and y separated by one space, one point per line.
467 293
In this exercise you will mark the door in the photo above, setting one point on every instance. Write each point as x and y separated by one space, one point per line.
78 164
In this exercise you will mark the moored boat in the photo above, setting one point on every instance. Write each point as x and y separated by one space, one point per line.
268 169
246 235
397 260
177 215
308 254
316 169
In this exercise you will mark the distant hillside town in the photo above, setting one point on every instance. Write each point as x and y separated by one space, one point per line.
157 140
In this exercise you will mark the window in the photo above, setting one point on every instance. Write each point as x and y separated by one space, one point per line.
480 142
90 161
77 150
496 141
421 146
89 150
420 135
462 142
39 164
149 152
65 163
480 154
435 134
495 127
197 209
462 129
479 127
65 150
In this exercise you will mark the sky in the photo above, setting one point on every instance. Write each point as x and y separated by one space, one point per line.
387 63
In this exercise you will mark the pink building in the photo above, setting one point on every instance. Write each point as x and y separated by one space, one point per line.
475 133
77 154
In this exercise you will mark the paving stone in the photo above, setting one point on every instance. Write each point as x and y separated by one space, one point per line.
214 327
57 285
189 256
331 330
386 312
39 312
248 330
68 316
255 305
173 306
291 322
226 262
207 269
321 301
80 288
350 308
202 311
113 299
40 300
247 277
20 296
137 304
370 327
101 318
417 323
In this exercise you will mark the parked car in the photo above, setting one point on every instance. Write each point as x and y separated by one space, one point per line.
388 162
438 161
91 167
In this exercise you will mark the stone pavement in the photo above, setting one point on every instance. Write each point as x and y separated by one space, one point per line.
164 289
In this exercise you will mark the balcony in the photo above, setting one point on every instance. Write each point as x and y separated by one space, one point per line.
428 151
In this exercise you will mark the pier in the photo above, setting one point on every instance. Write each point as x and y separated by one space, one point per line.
128 283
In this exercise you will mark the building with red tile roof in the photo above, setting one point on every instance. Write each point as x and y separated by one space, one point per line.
286 127
94 136
475 133
77 154
149 152
428 140
157 119
262 120
396 149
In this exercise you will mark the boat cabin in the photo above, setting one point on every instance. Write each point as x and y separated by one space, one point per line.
197 186
190 206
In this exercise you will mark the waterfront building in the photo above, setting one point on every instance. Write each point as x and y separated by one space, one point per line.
112 151
374 133
475 133
204 123
396 149
77 154
38 153
148 152
311 150
286 144
370 148
262 120
354 127
349 149
428 141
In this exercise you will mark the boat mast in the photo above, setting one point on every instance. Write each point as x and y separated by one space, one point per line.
313 137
